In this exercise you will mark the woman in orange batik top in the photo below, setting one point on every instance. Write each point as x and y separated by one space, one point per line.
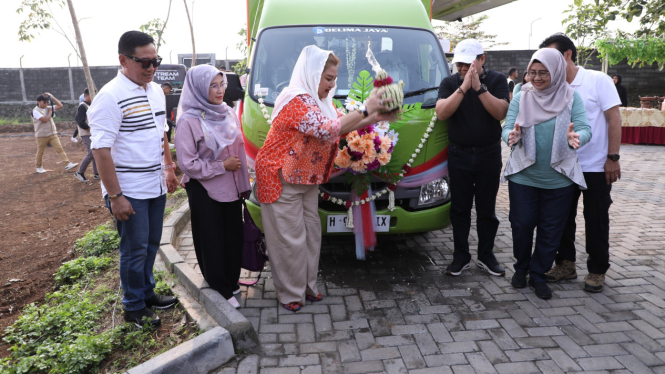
297 156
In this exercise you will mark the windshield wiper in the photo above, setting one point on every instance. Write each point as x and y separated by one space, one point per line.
406 94
419 92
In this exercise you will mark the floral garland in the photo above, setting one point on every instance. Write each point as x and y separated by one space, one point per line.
264 110
348 204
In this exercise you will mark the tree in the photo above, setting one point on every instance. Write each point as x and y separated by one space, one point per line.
40 19
469 28
155 28
191 29
583 25
241 46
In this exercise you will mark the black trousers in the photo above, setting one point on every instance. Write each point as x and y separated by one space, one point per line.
474 175
217 230
597 201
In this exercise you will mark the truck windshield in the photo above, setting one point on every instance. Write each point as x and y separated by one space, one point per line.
411 55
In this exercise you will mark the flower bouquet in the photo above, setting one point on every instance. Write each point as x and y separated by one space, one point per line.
363 151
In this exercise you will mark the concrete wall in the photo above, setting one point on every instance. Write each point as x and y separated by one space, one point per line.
53 80
645 81
638 81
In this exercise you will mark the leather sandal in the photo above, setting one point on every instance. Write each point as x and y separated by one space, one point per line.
294 307
311 298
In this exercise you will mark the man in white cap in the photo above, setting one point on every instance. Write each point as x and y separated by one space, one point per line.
475 100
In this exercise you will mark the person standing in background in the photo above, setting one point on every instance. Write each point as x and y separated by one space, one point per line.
621 90
82 124
45 131
512 75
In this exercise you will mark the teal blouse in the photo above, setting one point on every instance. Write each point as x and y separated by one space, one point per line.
541 174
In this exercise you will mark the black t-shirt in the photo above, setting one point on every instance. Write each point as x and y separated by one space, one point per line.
472 125
511 86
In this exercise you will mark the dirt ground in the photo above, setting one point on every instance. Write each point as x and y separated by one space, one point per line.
41 216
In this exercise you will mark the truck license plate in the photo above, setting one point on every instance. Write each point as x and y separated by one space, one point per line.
337 223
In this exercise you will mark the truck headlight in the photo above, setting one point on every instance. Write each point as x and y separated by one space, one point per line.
434 191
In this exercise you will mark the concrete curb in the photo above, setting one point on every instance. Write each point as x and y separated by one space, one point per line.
242 331
202 354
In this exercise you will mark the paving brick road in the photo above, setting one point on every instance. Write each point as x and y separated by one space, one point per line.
397 312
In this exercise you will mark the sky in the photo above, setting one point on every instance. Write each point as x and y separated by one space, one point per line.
216 25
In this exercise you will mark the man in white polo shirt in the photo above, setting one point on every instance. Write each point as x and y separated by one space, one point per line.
127 123
600 163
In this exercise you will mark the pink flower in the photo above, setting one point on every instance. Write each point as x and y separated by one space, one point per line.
386 144
358 166
369 156
384 158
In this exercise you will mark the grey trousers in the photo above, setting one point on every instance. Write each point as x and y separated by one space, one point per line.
85 139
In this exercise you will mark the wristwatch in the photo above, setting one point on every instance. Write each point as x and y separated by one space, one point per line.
482 89
115 196
614 157
365 113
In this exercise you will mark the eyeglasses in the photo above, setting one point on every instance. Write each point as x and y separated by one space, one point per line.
461 65
146 62
542 74
217 87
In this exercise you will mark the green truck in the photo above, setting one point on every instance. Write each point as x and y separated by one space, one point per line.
400 36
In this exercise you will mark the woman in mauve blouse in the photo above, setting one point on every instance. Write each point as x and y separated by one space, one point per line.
211 154
297 156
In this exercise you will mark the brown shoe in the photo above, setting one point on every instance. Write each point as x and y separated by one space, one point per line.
564 270
594 282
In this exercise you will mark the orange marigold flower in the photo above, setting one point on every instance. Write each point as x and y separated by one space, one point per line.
384 158
343 159
369 156
355 143
358 166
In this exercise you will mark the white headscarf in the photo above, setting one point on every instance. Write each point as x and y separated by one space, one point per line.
305 80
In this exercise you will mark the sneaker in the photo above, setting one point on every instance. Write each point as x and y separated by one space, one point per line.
519 279
161 301
457 267
564 270
542 289
492 266
136 316
74 140
81 177
594 282
171 146
41 170
96 177
71 166
234 302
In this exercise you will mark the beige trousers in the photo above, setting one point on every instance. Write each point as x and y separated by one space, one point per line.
293 236
55 143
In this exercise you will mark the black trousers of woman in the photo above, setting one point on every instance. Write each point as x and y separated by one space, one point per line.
217 230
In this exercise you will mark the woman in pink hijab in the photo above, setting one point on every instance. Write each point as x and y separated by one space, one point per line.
211 154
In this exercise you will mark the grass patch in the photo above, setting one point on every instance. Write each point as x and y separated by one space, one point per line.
174 200
15 121
100 241
79 327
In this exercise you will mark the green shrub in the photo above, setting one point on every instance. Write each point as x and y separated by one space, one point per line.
59 336
75 269
163 284
100 241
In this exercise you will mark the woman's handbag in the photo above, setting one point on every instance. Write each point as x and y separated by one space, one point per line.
254 255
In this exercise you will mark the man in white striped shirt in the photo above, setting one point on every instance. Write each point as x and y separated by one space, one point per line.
127 123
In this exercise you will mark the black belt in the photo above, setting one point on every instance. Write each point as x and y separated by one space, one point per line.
477 149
